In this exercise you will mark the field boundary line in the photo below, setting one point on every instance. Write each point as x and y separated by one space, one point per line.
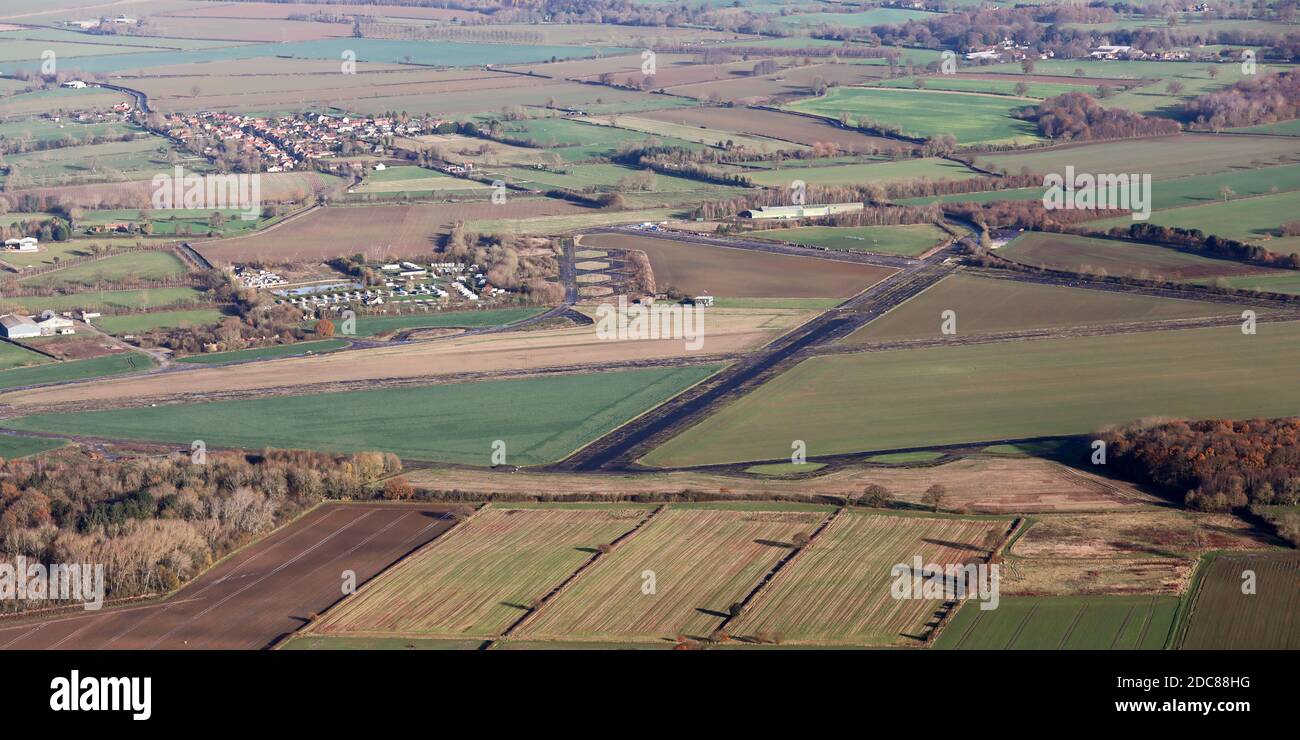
550 595
775 569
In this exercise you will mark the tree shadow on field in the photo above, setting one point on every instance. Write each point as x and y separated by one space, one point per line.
712 612
953 545
587 550
513 605
774 543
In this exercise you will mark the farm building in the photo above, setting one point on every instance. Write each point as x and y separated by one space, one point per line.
787 212
48 324
74 84
25 244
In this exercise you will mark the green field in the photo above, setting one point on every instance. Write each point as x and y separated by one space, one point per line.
575 141
13 447
910 240
12 356
111 299
141 322
1113 257
174 221
414 179
1063 623
951 395
852 174
1281 128
987 305
539 420
148 265
972 119
1284 281
785 468
368 326
266 353
999 87
1165 158
75 370
1222 617
1244 219
114 161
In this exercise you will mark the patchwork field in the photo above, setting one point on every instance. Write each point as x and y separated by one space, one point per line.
990 392
702 562
973 119
1222 617
986 305
911 240
837 589
538 419
722 271
483 576
1064 623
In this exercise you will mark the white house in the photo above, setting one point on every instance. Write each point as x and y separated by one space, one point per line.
51 324
25 244
75 84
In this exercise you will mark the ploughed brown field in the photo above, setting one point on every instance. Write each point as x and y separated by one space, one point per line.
697 269
784 126
255 596
378 231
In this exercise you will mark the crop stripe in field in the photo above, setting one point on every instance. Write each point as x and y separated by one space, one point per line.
1146 622
574 576
1120 632
1028 616
1065 637
771 574
970 630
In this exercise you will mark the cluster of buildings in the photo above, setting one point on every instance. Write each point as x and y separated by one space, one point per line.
810 211
284 142
1006 50
47 324
1128 52
259 278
